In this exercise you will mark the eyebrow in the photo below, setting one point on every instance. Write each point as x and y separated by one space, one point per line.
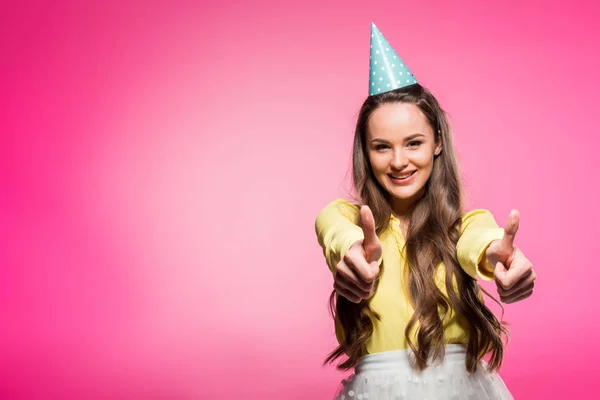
406 139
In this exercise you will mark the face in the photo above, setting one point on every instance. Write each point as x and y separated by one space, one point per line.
401 147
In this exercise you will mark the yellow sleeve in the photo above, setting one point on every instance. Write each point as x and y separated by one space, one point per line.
337 230
479 229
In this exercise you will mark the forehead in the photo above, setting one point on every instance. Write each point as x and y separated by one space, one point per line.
395 121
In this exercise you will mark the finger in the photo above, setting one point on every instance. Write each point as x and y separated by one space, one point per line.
371 243
367 223
501 276
506 278
525 282
356 290
516 291
346 293
520 268
348 274
360 265
517 297
510 231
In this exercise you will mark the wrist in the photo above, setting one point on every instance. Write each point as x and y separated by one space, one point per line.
488 261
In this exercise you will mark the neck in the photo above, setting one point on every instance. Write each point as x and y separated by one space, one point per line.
403 215
403 209
404 219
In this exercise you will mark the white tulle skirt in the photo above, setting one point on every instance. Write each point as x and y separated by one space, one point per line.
390 376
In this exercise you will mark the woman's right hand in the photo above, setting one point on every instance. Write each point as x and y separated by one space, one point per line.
357 272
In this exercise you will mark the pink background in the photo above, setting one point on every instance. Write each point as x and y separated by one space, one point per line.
162 164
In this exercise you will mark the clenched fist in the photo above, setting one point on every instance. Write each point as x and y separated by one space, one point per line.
513 272
357 272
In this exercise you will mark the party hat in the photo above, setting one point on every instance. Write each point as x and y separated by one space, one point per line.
388 71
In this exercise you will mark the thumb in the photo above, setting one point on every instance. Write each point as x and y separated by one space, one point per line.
371 243
510 231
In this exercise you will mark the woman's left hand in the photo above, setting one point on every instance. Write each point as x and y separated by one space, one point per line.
513 272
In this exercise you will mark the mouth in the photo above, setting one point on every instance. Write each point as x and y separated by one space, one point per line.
402 178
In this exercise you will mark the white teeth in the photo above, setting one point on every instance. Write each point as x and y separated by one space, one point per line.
402 176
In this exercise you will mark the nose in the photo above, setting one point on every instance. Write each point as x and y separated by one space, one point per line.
400 161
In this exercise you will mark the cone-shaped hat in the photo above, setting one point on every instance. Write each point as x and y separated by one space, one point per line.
388 71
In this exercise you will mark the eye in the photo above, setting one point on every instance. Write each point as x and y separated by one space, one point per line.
414 143
380 147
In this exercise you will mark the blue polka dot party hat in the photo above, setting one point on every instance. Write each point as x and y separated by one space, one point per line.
388 71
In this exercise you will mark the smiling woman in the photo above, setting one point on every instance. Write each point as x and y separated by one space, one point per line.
408 308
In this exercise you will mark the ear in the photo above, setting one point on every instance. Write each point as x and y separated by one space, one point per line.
438 150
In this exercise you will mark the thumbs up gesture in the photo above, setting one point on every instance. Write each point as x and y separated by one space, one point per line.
357 272
513 272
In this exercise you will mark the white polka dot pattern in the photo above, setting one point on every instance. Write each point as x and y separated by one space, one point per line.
389 375
382 53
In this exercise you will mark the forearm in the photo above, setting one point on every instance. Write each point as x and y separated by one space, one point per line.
337 231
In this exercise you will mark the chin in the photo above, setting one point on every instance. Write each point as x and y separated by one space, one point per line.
403 196
406 193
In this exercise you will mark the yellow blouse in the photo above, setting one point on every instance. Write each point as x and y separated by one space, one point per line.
337 229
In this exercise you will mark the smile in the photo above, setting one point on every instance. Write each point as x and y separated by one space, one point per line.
402 179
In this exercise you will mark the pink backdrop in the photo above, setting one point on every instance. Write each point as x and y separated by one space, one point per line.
162 164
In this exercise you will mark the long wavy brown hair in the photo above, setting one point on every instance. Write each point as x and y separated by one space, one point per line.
434 229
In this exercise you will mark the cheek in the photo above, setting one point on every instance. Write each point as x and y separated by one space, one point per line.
423 159
378 163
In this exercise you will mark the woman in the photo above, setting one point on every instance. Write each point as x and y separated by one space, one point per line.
409 312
